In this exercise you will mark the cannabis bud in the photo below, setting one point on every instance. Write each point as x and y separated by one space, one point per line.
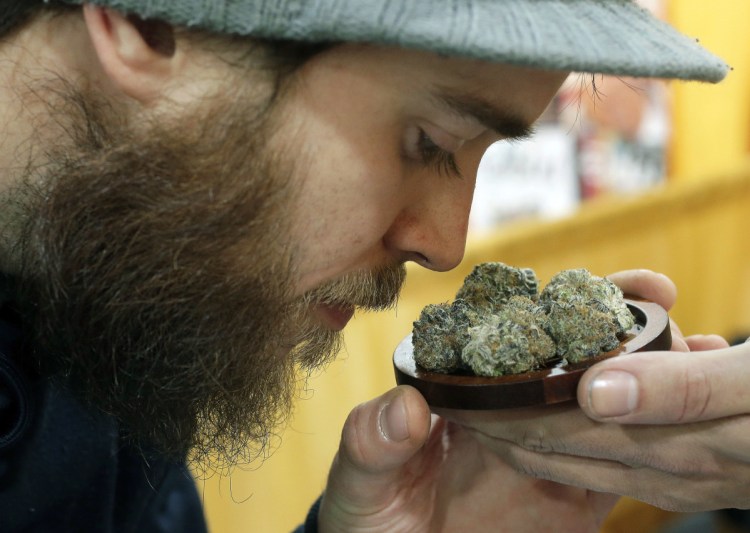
579 286
441 333
509 342
499 323
581 331
490 285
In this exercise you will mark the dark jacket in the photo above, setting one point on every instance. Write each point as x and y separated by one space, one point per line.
63 466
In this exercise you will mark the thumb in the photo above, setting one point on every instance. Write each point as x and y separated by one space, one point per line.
667 387
378 439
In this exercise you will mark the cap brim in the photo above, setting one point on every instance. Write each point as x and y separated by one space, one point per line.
599 36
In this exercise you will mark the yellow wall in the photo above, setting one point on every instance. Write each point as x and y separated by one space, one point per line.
711 131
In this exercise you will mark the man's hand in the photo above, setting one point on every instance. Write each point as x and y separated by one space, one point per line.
671 429
399 469
667 388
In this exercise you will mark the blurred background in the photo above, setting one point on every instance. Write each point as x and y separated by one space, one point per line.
633 174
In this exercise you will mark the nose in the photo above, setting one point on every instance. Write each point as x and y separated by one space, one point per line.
431 230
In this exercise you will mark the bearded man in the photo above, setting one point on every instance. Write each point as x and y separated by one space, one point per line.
196 196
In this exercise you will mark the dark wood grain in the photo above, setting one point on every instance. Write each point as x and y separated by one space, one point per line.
554 384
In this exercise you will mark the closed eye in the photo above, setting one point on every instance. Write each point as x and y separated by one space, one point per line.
436 157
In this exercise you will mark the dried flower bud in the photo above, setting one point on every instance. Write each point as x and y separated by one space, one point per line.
580 331
464 316
579 286
509 342
500 325
526 310
440 334
490 285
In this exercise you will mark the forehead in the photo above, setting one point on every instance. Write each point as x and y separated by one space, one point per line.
454 83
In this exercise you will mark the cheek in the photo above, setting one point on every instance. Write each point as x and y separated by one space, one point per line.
348 200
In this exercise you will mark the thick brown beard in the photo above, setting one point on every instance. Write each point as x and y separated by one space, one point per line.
156 277
140 297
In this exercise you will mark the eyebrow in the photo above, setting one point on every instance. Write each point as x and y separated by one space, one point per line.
505 124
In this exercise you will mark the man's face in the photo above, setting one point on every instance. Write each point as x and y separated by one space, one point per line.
173 265
378 131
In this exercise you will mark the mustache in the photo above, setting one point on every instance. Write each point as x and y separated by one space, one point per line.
371 290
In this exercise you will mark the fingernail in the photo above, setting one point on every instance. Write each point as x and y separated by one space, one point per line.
613 393
393 421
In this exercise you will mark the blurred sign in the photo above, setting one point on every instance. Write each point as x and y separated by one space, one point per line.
600 135
521 179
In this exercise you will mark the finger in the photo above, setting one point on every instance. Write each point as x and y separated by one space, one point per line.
657 488
378 439
568 431
647 284
588 473
667 387
679 344
678 339
699 343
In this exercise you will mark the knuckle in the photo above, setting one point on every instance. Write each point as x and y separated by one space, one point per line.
697 393
537 439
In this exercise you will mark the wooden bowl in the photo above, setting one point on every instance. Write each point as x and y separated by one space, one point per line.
554 384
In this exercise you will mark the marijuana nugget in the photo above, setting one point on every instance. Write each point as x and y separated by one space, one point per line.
490 285
499 324
580 287
580 331
509 342
440 334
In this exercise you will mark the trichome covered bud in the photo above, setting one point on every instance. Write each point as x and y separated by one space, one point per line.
511 341
580 331
499 324
490 285
440 334
580 287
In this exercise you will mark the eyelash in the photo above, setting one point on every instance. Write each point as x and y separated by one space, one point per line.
434 156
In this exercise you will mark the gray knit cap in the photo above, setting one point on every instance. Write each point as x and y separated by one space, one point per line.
602 36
